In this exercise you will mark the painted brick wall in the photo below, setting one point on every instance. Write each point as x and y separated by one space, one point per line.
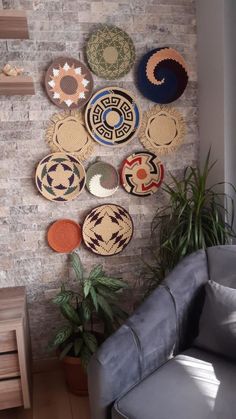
61 28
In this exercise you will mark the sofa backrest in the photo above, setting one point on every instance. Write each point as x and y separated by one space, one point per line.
222 265
186 284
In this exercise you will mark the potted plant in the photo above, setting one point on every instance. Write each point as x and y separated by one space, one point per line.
196 216
95 299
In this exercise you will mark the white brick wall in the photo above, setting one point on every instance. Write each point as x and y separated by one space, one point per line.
61 27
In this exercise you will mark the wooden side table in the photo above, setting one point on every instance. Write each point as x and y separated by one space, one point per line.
14 349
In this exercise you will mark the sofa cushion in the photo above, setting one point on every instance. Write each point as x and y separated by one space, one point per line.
217 326
193 385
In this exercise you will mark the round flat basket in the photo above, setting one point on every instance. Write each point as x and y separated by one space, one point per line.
60 177
102 179
64 236
113 117
68 83
110 52
67 133
162 75
107 229
142 174
162 129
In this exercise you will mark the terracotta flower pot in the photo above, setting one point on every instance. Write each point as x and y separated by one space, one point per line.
75 375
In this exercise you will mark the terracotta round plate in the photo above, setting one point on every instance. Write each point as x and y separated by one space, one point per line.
113 116
162 129
67 133
64 236
142 173
60 177
162 75
68 83
110 52
102 179
107 229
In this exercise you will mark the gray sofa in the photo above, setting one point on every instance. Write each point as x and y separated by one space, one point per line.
149 368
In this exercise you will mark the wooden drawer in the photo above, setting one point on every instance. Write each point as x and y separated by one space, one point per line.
10 393
8 341
9 366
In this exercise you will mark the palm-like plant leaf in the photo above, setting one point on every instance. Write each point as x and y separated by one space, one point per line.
87 286
87 309
77 266
105 306
70 313
62 336
94 297
63 297
77 346
113 283
66 350
90 341
96 272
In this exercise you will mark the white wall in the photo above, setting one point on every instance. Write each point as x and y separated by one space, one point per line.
230 89
216 20
210 30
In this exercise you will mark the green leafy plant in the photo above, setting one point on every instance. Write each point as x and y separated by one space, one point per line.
197 216
96 298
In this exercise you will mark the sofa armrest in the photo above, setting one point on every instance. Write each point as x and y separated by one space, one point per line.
139 347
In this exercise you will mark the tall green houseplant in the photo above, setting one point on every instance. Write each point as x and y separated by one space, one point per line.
197 216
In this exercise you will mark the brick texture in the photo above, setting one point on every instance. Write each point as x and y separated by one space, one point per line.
61 28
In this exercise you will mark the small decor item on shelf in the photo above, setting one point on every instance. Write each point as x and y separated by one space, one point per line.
162 75
60 177
113 116
95 297
142 173
64 236
107 229
162 129
102 179
67 133
68 83
110 52
11 70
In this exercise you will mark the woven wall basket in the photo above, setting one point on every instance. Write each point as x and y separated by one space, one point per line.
113 116
64 236
68 83
162 129
142 173
110 52
67 133
102 179
60 177
107 229
162 75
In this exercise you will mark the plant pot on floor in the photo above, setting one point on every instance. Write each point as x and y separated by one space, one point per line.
75 376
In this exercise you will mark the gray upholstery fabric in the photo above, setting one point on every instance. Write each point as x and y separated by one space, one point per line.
186 283
194 385
140 346
222 265
149 337
165 323
217 327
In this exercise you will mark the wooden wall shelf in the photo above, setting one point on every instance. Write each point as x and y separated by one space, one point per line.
19 85
13 24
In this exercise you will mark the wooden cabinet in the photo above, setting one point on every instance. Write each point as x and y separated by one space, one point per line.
14 349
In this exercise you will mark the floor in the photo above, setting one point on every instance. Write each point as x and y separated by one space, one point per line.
51 400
